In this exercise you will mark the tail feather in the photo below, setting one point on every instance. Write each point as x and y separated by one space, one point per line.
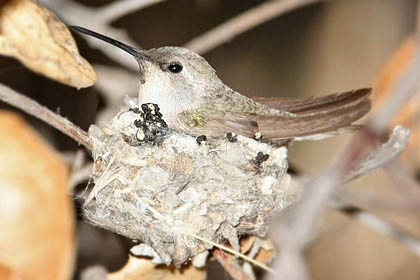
298 106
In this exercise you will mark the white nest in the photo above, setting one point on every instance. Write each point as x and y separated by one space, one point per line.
162 194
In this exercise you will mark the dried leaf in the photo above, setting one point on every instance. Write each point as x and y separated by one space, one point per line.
35 36
247 243
409 115
265 253
143 269
36 216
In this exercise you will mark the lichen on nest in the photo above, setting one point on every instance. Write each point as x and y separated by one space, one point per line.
162 192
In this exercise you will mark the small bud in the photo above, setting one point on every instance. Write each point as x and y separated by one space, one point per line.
257 136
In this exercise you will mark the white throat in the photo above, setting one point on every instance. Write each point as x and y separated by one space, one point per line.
171 103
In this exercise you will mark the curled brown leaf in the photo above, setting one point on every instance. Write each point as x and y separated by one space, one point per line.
36 37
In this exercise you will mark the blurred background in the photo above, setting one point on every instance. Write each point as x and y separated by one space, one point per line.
315 50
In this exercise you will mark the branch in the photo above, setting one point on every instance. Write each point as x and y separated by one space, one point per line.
33 108
381 156
403 180
118 9
243 22
384 227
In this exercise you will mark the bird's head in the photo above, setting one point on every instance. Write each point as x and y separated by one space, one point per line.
175 78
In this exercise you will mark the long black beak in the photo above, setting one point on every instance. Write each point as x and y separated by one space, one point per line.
133 51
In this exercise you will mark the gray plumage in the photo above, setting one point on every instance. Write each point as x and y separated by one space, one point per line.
195 101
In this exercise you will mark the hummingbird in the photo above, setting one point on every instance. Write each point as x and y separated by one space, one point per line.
194 100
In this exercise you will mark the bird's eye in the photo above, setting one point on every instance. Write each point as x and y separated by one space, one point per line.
175 67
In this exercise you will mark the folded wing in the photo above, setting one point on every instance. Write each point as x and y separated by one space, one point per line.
309 116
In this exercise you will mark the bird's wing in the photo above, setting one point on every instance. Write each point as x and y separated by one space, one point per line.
322 116
314 104
240 123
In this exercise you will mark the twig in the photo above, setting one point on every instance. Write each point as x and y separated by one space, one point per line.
403 180
245 21
381 156
233 252
120 8
349 201
230 264
33 108
382 226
